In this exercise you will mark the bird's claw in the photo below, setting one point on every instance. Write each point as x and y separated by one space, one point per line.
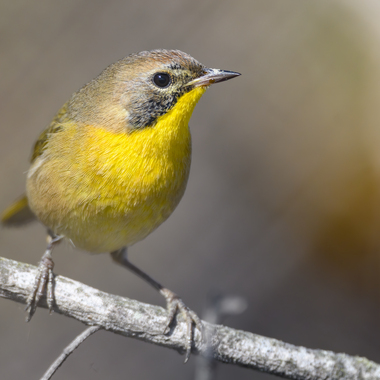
175 305
44 279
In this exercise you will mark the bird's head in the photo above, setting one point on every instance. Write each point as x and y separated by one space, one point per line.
134 92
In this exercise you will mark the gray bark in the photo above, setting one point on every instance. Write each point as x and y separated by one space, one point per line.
146 322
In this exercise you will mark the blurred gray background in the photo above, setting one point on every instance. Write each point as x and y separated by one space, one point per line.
283 202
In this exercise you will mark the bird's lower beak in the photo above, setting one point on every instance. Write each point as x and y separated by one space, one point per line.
213 76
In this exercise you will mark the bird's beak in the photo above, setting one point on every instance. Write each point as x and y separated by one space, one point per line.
213 76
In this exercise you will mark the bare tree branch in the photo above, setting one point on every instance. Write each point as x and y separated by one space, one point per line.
69 350
145 322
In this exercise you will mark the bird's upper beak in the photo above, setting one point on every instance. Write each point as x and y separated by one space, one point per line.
213 76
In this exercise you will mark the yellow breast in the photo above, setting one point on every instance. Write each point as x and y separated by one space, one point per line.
105 190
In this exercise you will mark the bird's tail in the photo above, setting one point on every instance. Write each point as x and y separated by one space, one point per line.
18 213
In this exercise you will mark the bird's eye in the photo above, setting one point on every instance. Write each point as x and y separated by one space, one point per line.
162 80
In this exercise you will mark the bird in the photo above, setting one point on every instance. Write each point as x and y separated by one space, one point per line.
114 163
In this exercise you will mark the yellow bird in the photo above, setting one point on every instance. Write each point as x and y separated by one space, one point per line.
114 163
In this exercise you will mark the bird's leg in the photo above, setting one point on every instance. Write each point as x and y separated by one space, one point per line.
44 279
174 304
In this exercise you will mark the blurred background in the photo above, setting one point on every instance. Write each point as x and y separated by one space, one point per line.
283 202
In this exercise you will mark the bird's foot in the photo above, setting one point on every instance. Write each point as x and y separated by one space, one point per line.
175 305
44 280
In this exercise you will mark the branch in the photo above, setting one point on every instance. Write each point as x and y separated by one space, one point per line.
69 350
145 322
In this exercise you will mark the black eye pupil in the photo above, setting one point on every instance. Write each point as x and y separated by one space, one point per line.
161 80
